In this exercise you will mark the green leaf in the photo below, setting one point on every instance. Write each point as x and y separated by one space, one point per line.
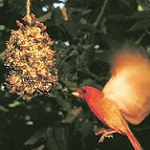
37 136
84 125
15 104
57 139
72 27
2 108
140 25
72 115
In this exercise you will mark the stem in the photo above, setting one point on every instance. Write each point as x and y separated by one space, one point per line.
28 7
95 24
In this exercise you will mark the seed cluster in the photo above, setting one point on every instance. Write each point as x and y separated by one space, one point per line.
29 58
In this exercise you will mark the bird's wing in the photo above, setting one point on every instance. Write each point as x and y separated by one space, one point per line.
129 86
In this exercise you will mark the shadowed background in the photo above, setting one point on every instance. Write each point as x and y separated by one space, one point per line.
83 44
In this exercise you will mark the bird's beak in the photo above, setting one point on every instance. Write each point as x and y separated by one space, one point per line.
75 94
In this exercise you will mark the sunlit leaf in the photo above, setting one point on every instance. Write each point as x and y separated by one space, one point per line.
2 108
14 104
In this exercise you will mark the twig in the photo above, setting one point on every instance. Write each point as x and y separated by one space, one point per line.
28 7
64 13
140 38
95 24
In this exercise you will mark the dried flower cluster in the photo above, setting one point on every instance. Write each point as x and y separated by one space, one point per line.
30 59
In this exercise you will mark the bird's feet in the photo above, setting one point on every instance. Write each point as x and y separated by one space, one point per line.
105 133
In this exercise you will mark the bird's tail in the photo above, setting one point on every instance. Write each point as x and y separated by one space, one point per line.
133 140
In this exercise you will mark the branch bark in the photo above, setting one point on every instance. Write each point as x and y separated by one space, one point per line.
95 24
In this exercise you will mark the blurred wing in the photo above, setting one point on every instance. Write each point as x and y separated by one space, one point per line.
129 86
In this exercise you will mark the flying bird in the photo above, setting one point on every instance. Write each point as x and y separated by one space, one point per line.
125 97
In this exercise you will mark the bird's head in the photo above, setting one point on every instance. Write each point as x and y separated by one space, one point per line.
88 93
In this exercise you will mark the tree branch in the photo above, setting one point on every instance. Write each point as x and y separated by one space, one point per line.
95 24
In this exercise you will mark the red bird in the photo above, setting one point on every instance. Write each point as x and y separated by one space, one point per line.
125 97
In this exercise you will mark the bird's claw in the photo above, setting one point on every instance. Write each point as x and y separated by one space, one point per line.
105 133
103 137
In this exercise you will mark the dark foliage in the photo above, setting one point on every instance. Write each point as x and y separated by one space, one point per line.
83 46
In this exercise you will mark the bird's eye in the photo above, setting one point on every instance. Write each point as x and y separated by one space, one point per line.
83 91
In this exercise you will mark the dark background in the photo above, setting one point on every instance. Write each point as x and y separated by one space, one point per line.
83 46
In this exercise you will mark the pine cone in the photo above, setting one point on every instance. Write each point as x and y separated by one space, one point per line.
30 59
